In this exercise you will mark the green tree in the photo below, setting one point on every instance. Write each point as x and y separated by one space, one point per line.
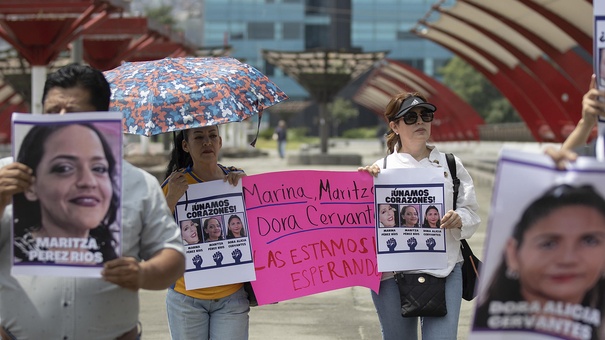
341 110
476 90
162 15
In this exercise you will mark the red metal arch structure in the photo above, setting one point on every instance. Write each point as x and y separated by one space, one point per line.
509 65
536 52
40 29
165 44
552 39
376 94
456 120
10 102
131 38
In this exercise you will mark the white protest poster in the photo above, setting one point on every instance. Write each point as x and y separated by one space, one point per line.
544 265
215 234
68 223
407 236
599 67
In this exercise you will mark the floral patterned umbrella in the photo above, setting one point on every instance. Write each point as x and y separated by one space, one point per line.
182 93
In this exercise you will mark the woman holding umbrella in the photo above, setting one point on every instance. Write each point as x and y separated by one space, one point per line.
219 312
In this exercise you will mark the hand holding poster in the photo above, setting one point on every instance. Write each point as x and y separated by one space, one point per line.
409 206
599 68
68 222
543 275
214 231
312 235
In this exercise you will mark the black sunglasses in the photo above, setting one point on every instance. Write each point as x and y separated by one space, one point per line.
412 117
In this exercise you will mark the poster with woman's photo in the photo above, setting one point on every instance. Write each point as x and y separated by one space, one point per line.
214 231
543 275
68 223
409 207
599 68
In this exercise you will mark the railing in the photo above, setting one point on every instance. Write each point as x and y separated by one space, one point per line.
511 132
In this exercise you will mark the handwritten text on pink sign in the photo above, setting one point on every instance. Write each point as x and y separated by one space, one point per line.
311 231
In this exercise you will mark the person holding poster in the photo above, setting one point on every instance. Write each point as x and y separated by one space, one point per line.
213 231
236 227
553 268
49 307
387 215
432 219
219 312
602 67
593 107
410 116
409 217
74 195
190 231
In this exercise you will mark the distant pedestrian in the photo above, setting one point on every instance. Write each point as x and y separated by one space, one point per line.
280 136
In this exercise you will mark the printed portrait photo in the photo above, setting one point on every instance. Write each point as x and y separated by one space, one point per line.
71 213
213 229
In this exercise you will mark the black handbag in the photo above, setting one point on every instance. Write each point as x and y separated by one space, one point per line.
471 265
421 294
470 271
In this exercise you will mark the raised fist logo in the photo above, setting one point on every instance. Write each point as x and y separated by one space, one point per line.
412 243
391 244
430 242
197 261
218 258
237 255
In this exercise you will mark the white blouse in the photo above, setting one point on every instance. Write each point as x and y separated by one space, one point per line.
466 204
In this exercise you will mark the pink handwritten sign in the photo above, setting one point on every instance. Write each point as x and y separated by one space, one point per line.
311 232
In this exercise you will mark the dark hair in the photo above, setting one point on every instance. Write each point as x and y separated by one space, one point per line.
503 288
426 224
179 159
84 77
391 110
31 153
206 221
402 215
229 233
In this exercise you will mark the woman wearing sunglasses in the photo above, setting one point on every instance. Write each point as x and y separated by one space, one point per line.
410 116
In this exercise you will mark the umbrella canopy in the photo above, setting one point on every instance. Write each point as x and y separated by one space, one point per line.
182 93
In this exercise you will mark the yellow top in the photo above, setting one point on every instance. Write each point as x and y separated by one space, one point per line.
209 293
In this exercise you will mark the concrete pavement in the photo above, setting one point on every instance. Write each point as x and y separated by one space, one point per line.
342 314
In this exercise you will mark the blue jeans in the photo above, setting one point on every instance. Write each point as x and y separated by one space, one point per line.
281 148
396 327
191 318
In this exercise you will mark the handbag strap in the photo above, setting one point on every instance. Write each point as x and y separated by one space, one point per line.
451 164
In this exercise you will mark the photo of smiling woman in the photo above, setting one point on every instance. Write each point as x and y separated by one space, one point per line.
236 227
432 218
409 217
213 230
190 231
552 274
387 215
72 205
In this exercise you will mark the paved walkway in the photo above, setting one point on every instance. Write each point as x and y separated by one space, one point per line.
345 313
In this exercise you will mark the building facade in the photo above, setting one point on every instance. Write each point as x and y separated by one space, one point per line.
297 25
